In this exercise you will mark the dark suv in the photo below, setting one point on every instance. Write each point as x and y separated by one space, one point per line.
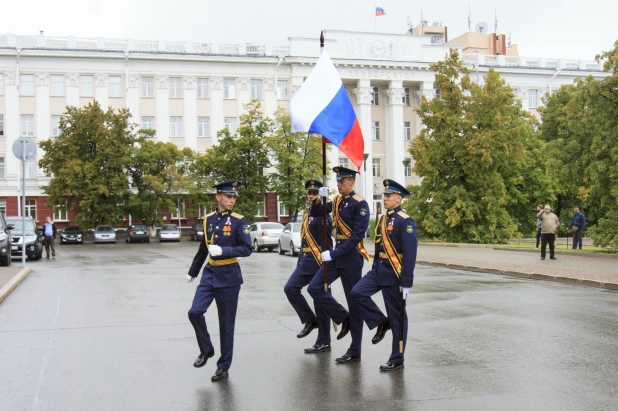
197 232
5 241
25 237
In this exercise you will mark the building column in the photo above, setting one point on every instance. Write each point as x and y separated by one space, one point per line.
73 89
190 113
163 109
42 115
243 95
393 98
362 106
132 93
270 97
101 93
11 125
216 107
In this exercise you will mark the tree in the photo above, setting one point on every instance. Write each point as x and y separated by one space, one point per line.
243 157
479 159
89 162
298 158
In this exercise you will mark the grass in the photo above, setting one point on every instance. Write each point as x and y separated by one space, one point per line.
530 244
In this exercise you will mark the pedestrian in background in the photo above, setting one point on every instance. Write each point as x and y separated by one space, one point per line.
578 225
538 225
49 235
549 225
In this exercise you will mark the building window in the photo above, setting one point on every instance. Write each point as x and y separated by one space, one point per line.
115 87
1 167
175 126
256 89
60 213
375 96
3 206
55 123
376 167
27 125
282 89
261 212
1 84
343 162
202 88
1 125
147 86
283 210
439 94
86 86
148 123
175 87
532 99
31 168
407 131
31 209
57 85
179 212
406 96
375 130
229 88
231 123
26 84
408 167
203 126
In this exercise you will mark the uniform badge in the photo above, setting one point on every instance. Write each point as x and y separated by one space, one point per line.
363 212
245 229
410 229
227 229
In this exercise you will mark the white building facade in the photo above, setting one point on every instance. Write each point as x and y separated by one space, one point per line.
187 91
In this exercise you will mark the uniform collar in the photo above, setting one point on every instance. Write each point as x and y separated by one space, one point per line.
394 210
350 194
223 214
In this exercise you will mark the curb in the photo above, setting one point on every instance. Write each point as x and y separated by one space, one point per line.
14 282
531 276
558 252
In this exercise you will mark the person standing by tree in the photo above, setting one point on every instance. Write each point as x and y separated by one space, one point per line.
549 225
578 225
49 233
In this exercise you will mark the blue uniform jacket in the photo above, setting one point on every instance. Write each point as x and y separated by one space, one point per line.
307 264
354 212
231 232
405 241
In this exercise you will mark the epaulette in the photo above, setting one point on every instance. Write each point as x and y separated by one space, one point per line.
209 214
236 215
358 198
402 214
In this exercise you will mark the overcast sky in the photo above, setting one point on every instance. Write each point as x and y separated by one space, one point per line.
549 28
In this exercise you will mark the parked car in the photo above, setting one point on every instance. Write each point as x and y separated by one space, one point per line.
5 241
104 234
290 239
265 235
25 236
138 232
169 232
197 232
71 234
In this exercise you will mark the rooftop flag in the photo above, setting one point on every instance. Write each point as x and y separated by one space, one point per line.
380 11
322 106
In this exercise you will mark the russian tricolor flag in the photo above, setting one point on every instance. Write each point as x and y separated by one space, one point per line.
322 106
380 11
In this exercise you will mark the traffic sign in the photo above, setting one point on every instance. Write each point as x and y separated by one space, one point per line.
24 146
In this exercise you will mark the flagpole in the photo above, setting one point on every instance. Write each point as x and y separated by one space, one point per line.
324 208
375 17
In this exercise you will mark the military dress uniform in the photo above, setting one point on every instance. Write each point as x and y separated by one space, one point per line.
396 244
221 277
309 262
351 219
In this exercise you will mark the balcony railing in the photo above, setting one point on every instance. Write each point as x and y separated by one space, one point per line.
531 62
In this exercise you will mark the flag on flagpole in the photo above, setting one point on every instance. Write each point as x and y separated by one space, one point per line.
322 106
380 11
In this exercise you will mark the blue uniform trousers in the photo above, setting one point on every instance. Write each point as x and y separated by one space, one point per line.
292 290
227 303
327 307
371 314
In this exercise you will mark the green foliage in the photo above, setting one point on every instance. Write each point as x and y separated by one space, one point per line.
298 158
243 157
89 162
480 159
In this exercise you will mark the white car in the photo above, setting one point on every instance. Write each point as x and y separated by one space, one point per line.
104 234
169 232
265 235
290 239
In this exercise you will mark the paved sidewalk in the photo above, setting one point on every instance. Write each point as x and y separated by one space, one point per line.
10 277
599 271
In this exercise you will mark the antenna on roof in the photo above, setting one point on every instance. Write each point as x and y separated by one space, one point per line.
495 21
508 44
469 19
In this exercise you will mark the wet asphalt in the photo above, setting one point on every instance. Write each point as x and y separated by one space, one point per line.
105 328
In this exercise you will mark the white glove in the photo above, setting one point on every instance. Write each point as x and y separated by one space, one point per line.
323 191
189 278
326 256
405 291
215 250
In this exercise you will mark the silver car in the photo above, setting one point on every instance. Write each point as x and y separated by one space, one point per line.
265 235
104 234
290 239
169 232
